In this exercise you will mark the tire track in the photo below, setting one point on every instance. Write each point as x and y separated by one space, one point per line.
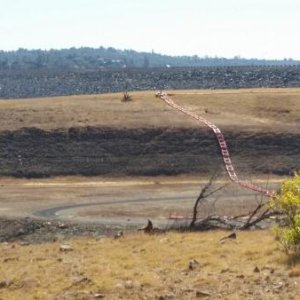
53 211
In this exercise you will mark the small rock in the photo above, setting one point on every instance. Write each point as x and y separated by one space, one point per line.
24 243
169 296
81 279
202 294
10 259
119 235
270 269
99 296
119 286
224 270
231 236
189 290
166 297
241 276
256 270
62 226
178 280
65 248
193 263
279 285
128 284
5 283
21 231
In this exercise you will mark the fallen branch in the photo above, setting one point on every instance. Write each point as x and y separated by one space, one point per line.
235 222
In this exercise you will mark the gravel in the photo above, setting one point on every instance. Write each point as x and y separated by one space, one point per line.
40 83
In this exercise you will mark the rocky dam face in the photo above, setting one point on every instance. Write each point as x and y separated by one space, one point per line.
58 82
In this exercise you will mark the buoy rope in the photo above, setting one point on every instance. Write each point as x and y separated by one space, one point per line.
224 150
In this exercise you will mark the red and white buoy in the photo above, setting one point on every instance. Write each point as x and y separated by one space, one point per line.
224 151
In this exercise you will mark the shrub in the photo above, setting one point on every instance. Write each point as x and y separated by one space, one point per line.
126 97
288 203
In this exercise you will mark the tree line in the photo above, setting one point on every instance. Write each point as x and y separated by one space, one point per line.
86 58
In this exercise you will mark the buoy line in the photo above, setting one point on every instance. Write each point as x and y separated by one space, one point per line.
224 150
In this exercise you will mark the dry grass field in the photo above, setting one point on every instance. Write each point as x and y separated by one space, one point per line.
138 266
259 109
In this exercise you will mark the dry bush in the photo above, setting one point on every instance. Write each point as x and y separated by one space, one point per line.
126 97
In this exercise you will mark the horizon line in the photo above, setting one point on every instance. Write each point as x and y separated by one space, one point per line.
204 56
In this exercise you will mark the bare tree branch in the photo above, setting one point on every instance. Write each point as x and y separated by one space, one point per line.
203 195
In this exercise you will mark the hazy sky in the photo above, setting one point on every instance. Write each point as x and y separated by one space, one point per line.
249 28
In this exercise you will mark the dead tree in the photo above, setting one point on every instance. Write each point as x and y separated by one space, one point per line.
261 212
204 193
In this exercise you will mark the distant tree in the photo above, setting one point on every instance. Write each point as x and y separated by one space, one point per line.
146 62
89 58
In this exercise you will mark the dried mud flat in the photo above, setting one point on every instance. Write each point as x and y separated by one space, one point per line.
38 210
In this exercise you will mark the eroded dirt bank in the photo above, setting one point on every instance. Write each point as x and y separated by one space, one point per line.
92 151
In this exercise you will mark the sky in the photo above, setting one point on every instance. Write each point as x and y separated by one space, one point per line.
225 28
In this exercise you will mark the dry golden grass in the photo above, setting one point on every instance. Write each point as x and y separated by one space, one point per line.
148 267
270 109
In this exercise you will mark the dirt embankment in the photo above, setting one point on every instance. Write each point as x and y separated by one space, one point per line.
91 151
